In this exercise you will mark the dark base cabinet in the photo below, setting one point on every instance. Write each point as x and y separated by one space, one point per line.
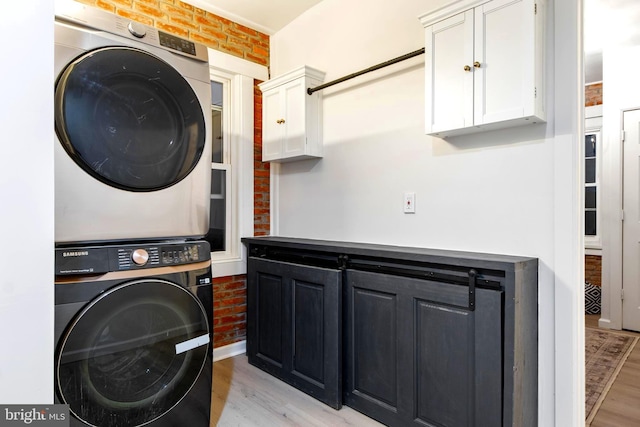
417 354
294 326
407 336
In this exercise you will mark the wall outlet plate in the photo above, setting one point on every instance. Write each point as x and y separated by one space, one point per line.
409 202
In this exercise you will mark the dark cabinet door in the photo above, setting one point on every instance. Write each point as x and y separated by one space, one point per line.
416 354
294 320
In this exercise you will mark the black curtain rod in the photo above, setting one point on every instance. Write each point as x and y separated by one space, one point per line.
359 73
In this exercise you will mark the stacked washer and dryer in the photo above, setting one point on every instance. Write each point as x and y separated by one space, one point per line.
133 291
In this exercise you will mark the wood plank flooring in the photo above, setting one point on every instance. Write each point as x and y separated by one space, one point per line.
246 396
621 407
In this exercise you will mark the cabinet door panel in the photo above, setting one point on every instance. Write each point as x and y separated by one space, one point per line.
416 354
459 372
272 130
374 346
444 363
294 312
449 88
308 331
504 47
294 104
269 307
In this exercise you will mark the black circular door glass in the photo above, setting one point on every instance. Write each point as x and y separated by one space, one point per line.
129 119
132 354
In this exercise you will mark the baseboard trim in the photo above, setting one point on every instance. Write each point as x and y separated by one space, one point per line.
230 350
604 323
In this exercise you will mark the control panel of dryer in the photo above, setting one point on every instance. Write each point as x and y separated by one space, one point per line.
92 17
103 259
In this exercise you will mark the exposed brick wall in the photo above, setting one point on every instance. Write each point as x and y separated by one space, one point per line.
261 216
593 269
593 95
184 20
230 309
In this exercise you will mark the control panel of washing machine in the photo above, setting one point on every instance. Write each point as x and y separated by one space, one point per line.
103 259
161 255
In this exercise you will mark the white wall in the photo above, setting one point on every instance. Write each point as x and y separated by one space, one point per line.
511 191
26 212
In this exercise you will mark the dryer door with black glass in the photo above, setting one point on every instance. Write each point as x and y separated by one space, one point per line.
132 353
129 119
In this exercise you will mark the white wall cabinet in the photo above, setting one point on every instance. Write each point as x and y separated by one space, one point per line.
291 118
484 66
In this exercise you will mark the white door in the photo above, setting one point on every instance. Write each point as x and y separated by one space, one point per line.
272 130
449 74
295 139
503 60
631 223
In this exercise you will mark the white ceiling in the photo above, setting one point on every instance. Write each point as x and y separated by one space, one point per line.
267 16
604 20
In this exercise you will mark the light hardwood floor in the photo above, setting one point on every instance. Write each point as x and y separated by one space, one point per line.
621 407
246 396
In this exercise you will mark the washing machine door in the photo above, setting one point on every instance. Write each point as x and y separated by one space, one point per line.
132 354
129 119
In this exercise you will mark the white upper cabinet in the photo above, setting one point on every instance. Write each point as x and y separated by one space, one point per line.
291 118
484 66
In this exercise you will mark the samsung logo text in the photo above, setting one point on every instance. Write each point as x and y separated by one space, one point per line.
75 253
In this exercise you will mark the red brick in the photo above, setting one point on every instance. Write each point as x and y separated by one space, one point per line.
593 94
215 18
257 59
172 29
179 12
593 269
242 44
150 11
184 23
186 6
223 328
150 3
138 17
220 313
246 30
213 33
122 3
205 22
231 50
103 5
208 41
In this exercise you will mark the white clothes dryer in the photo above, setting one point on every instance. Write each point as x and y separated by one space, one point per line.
133 126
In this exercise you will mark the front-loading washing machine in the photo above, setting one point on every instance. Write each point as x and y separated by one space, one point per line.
133 327
133 126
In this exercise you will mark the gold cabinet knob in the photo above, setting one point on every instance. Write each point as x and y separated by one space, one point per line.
467 68
476 64
280 121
